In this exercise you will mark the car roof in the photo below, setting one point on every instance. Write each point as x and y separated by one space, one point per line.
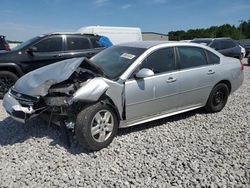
150 44
71 33
221 38
146 44
203 38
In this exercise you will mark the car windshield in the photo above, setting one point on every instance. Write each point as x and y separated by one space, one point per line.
115 60
206 42
23 44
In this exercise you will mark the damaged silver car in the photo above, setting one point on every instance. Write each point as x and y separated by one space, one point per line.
125 85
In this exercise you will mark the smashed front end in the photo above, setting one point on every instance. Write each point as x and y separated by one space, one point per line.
58 91
22 107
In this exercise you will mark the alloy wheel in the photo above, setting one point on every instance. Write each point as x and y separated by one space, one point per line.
102 125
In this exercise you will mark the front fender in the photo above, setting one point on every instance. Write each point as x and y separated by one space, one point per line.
91 90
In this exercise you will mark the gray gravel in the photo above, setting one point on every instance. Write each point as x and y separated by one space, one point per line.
193 149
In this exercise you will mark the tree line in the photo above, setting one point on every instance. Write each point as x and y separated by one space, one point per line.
226 30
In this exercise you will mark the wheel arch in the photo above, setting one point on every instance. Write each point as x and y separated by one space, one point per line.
11 67
105 99
228 84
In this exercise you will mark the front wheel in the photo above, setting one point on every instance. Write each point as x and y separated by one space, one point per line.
217 98
96 126
7 80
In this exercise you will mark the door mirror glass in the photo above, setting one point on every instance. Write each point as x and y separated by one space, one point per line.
143 73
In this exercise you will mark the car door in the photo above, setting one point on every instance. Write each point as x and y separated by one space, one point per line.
48 50
196 76
156 94
79 46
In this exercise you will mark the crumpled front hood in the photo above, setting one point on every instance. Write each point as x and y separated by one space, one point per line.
38 82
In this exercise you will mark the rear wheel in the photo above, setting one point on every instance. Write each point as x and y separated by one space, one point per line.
217 98
7 79
96 126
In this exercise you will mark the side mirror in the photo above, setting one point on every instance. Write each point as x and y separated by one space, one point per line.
143 73
31 50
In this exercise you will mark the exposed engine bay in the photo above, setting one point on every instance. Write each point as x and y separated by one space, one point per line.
59 91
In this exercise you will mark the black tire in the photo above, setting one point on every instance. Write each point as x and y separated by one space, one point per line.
84 124
7 79
217 98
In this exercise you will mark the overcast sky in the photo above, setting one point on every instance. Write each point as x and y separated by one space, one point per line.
23 19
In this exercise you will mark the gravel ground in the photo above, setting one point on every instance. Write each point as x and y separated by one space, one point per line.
193 149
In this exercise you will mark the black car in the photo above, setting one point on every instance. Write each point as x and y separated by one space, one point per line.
226 46
248 59
44 50
4 44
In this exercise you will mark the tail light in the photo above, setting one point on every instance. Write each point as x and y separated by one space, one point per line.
241 66
7 47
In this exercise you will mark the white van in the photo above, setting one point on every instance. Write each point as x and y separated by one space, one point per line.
115 34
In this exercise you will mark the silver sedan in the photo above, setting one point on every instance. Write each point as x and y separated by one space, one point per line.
125 85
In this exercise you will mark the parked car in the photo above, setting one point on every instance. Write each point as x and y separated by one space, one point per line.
4 44
226 46
248 59
125 85
44 50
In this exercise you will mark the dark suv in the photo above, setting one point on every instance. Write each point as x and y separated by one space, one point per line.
4 44
44 50
226 46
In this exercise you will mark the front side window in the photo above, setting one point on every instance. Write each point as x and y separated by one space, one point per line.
191 57
77 43
162 60
50 45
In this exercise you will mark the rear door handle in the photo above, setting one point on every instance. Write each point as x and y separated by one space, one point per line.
210 72
171 79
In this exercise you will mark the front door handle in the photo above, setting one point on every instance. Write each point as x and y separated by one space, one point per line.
58 55
210 72
171 79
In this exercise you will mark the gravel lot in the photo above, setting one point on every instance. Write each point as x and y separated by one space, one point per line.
187 150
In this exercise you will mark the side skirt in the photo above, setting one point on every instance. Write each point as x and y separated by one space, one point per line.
125 124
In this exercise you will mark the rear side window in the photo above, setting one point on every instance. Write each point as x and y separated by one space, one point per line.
50 45
95 43
212 58
227 44
77 43
191 57
162 60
